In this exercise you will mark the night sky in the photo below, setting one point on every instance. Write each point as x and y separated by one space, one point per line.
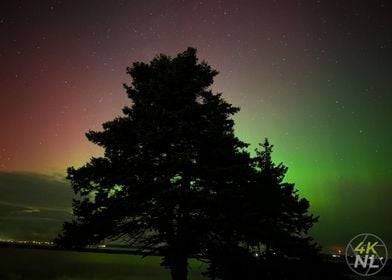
312 76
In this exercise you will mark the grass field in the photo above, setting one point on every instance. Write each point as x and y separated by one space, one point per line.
34 264
39 264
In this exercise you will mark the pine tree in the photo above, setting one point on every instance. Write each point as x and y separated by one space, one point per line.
286 220
164 162
264 225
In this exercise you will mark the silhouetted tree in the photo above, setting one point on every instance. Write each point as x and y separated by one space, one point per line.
283 219
262 225
165 162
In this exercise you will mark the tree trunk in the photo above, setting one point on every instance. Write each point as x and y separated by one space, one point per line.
179 269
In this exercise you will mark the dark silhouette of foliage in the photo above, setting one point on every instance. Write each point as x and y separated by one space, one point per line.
282 220
175 181
163 161
263 221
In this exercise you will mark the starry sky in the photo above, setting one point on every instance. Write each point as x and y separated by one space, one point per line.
312 76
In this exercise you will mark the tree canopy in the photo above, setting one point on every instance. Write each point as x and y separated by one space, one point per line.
175 180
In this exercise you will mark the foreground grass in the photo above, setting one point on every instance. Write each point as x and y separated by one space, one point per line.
34 264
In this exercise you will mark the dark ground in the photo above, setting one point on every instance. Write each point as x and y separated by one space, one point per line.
20 262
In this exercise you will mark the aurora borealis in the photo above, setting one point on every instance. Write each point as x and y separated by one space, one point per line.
312 76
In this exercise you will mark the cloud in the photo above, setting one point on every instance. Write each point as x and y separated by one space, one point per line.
33 206
35 190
